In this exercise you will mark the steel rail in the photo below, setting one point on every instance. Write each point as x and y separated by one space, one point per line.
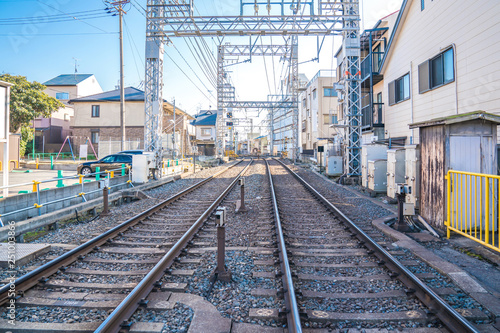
293 316
448 315
129 305
34 277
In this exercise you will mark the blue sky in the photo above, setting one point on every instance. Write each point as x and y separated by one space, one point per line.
41 39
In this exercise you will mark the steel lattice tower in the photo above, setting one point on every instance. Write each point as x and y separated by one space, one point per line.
174 18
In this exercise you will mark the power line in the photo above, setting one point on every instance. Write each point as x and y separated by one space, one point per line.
31 18
68 34
70 15
58 20
186 76
191 68
131 42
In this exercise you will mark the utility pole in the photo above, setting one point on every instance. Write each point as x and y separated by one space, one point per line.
118 6
173 136
122 88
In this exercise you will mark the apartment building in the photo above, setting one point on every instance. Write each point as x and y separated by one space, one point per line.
318 111
454 72
432 68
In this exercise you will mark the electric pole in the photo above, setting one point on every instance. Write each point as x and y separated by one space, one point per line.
118 6
173 136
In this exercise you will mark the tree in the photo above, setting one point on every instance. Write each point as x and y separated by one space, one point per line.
27 101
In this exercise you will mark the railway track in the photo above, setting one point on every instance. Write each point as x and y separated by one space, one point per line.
297 264
341 277
101 283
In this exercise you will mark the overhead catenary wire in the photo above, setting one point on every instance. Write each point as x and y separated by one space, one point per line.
187 76
132 43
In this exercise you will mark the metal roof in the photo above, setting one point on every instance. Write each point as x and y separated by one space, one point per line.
458 118
131 95
205 119
67 79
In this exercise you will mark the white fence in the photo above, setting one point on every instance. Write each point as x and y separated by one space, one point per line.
113 146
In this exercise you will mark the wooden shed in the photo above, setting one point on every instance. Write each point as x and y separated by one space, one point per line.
465 142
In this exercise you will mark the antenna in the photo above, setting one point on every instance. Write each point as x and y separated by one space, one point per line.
76 64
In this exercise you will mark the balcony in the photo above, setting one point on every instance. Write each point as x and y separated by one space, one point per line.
372 116
370 67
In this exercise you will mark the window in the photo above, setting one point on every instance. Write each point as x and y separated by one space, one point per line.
62 95
123 158
206 131
329 92
329 119
314 94
96 111
422 4
109 159
436 72
94 136
304 103
399 89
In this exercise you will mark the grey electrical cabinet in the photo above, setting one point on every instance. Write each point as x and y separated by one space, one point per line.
412 177
370 152
377 175
395 170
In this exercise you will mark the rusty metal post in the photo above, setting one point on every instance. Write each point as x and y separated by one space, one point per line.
401 196
242 184
105 210
221 272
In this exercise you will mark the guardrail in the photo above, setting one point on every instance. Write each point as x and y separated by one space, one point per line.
81 193
170 167
62 156
473 207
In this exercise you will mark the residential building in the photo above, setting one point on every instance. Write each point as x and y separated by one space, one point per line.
318 112
183 131
432 69
51 132
204 124
429 75
97 118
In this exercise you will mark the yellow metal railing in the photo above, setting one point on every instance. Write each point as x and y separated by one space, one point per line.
473 207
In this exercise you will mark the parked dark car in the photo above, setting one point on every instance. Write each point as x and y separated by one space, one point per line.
131 152
110 162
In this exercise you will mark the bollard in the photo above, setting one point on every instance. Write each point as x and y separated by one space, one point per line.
36 162
401 195
105 210
97 174
123 169
51 162
242 201
60 181
221 272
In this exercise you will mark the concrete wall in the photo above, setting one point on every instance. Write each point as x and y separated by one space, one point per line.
20 201
472 26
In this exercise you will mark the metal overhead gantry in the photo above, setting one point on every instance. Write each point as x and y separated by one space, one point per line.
168 19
